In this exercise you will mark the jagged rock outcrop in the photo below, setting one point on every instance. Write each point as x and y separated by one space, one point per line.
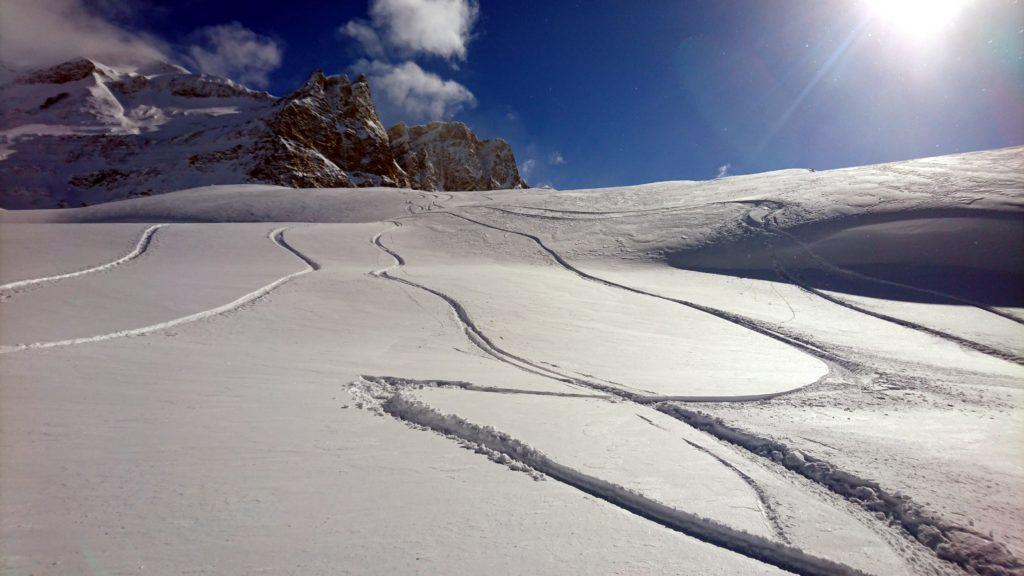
448 156
327 134
69 71
82 132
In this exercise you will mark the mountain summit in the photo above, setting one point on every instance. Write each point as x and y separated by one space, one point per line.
82 132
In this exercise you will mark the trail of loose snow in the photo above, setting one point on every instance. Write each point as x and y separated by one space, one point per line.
500 446
140 247
409 383
277 236
976 552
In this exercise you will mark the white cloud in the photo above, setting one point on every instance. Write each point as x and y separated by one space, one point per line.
415 93
366 36
527 167
34 34
237 52
556 159
403 30
723 170
435 27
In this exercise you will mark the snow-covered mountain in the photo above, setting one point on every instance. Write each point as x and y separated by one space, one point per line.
82 132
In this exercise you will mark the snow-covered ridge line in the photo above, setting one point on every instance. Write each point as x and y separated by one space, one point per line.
975 552
140 247
390 401
277 236
82 133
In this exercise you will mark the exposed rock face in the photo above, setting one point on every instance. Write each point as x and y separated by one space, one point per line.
69 71
448 156
82 132
337 121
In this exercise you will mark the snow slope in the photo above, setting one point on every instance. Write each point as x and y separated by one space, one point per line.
289 380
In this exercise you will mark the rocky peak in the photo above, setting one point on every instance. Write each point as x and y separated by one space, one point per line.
327 134
449 156
70 71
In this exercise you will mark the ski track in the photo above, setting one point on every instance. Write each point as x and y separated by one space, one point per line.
460 385
492 442
766 504
277 236
963 342
473 333
140 248
635 503
748 323
485 344
983 556
577 215
839 482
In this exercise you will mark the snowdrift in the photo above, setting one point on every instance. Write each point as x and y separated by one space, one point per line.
919 256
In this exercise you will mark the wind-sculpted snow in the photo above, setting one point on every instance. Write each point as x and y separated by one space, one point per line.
765 219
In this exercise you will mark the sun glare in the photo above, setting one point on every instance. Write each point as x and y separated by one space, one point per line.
918 18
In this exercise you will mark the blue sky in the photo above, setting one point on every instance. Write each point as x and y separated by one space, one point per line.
605 93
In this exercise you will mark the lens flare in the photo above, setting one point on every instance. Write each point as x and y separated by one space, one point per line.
918 18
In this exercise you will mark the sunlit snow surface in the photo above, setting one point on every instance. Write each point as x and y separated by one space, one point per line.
257 384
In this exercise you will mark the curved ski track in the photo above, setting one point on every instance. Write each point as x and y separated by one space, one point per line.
774 553
276 235
660 404
140 247
485 344
750 324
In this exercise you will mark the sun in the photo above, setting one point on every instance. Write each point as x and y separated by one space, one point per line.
917 18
